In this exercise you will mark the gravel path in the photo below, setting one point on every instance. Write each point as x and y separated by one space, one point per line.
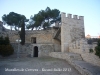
36 66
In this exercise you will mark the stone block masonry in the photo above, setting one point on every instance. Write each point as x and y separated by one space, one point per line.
82 47
67 36
71 30
76 61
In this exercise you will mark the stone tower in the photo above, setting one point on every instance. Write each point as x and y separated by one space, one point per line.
71 30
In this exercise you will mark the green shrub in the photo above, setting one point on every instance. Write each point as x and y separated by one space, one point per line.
91 50
97 49
1 40
6 50
4 41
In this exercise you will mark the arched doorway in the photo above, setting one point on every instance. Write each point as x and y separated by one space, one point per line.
35 51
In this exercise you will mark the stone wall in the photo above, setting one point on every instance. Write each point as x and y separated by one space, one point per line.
56 42
28 49
57 45
23 49
42 36
71 29
81 47
69 58
43 49
44 42
91 58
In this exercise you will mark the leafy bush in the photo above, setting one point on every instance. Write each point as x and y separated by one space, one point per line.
91 50
7 42
6 48
1 40
4 41
97 49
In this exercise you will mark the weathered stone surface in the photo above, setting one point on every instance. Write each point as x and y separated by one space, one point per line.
71 30
91 58
72 39
76 60
46 49
23 49
42 37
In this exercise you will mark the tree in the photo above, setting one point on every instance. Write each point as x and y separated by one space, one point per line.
22 33
1 40
97 48
7 41
44 18
30 23
17 20
12 19
5 47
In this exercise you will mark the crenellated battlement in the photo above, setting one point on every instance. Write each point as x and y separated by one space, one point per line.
73 17
72 28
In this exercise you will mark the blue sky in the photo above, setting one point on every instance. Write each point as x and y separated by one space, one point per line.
90 9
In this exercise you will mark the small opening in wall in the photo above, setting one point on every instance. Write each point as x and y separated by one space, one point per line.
35 51
33 40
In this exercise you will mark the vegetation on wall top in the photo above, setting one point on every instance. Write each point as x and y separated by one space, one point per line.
97 48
